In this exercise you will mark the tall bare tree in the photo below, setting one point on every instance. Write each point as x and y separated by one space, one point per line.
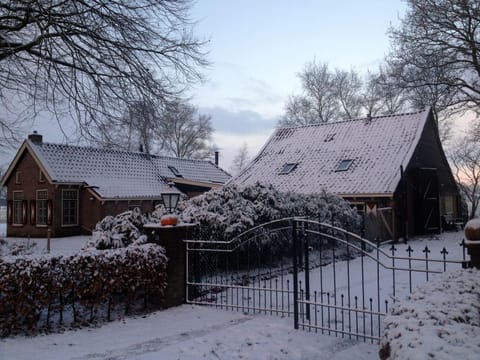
347 89
332 95
184 132
89 59
240 160
136 130
436 51
465 159
318 103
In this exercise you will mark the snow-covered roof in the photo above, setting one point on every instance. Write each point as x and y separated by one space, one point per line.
377 146
121 174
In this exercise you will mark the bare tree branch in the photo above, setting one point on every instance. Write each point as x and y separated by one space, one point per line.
90 59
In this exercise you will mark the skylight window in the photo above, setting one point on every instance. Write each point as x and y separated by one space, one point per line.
344 165
288 168
329 137
175 171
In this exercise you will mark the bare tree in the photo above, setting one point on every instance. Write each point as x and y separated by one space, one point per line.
465 158
436 50
89 59
318 103
382 95
335 95
347 89
136 130
240 161
184 132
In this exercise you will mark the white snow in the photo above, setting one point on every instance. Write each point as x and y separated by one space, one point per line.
60 246
441 320
187 332
192 332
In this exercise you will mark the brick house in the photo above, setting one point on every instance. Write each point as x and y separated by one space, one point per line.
392 168
68 189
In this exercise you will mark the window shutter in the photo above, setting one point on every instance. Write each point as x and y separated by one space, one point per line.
10 212
49 212
24 212
32 212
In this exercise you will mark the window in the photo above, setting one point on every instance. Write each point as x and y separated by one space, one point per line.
329 137
69 207
18 208
175 171
344 165
288 168
42 207
18 177
41 177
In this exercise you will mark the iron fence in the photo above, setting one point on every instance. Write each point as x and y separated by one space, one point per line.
327 279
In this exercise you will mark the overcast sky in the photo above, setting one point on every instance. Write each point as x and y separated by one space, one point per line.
258 46
256 49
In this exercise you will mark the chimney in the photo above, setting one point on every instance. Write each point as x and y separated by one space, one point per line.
35 138
216 157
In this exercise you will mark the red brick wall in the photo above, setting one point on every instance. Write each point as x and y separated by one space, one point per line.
29 184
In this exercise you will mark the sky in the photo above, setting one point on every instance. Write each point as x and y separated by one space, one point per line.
256 49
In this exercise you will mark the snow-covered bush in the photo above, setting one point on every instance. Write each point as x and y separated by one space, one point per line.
440 320
228 211
119 231
85 287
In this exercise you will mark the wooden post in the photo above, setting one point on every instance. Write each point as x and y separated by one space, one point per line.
49 235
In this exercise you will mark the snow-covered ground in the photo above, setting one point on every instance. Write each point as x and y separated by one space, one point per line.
65 245
192 332
441 320
187 332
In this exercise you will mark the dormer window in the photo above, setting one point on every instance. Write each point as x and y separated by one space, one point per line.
175 171
344 165
288 168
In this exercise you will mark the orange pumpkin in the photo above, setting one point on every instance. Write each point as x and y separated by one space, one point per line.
472 229
168 220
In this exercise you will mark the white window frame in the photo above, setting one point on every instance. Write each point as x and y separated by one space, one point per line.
17 202
37 205
77 208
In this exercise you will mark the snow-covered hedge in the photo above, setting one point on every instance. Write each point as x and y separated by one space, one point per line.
45 291
438 321
228 211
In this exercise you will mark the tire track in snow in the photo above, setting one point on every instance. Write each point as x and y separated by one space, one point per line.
160 343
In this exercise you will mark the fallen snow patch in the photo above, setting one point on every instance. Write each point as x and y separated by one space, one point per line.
440 320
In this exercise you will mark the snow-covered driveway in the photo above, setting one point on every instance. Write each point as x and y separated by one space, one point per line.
187 332
192 332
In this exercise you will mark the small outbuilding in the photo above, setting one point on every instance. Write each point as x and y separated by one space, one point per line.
392 168
68 189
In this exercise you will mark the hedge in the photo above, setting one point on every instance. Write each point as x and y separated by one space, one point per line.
39 293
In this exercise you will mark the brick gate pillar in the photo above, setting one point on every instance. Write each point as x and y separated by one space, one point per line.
472 242
171 238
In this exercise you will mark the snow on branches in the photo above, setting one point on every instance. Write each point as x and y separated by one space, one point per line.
227 212
119 231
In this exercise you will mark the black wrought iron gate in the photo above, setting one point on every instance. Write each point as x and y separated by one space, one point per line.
328 280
